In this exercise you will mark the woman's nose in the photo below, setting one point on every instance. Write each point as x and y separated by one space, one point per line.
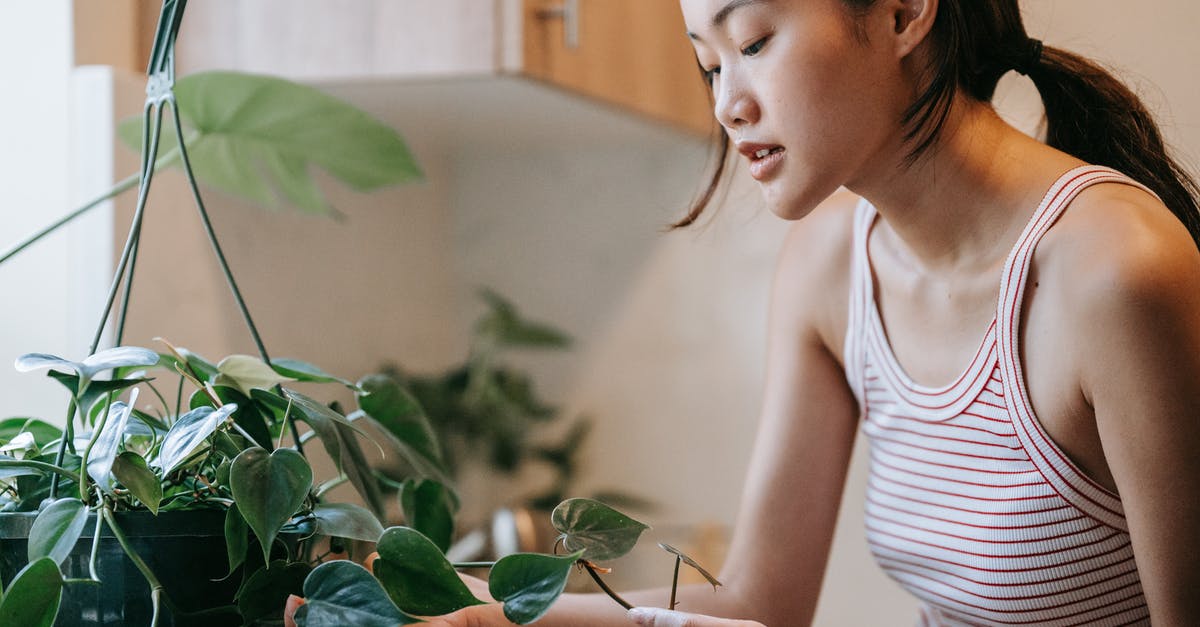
735 106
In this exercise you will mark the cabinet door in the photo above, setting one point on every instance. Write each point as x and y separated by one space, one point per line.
632 53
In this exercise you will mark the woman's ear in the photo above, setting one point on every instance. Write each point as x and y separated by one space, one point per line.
912 21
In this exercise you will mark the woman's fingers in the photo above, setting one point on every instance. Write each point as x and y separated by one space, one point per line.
654 617
490 615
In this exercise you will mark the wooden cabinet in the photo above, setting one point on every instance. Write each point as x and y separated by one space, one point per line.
631 53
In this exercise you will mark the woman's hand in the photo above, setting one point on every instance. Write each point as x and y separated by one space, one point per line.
655 617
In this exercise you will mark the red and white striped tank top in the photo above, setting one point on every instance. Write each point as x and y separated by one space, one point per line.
970 506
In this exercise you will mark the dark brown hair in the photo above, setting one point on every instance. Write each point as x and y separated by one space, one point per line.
1089 113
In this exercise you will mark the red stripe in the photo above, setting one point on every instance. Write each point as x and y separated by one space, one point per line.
1004 570
1010 584
1031 540
1033 471
1048 523
1032 596
891 364
989 555
963 509
1002 499
1045 609
950 425
959 481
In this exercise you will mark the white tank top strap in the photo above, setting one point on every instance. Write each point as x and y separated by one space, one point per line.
854 350
1075 486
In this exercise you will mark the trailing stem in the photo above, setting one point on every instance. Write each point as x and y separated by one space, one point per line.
156 588
675 582
591 570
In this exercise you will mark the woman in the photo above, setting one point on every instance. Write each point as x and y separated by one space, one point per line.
1017 332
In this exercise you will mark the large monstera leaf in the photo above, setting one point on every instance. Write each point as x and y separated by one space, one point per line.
259 138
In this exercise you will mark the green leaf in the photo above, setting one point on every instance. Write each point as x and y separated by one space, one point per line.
264 594
346 520
57 529
600 531
189 432
96 391
344 593
11 467
134 473
191 363
249 135
428 507
108 442
269 488
390 405
337 435
247 416
247 373
91 366
505 327
42 431
529 583
690 562
33 597
300 371
237 539
417 576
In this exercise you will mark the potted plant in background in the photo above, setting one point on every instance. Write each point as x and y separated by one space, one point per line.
216 465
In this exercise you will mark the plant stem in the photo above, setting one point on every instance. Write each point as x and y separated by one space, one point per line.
121 186
156 588
473 564
29 463
675 582
68 435
96 542
87 451
591 570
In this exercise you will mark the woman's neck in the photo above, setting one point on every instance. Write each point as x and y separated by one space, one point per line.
959 207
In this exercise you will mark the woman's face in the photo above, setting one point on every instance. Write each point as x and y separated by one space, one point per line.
808 105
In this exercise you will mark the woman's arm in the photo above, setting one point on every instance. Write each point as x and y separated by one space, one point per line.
1138 320
800 458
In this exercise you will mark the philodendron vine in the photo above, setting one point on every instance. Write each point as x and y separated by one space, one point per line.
214 440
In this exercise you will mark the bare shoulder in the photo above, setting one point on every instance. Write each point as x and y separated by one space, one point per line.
1117 246
812 275
1121 267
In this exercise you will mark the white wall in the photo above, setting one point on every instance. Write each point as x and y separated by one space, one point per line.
50 302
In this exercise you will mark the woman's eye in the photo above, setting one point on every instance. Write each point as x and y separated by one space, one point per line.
755 47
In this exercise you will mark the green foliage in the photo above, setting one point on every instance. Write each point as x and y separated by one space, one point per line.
429 508
32 599
269 487
601 532
529 583
416 575
56 530
254 137
342 593
268 589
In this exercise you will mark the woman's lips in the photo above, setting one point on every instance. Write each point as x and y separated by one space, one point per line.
765 160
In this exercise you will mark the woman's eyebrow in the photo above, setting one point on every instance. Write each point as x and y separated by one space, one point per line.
720 16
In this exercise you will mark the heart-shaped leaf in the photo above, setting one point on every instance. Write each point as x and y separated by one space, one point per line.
181 359
108 442
247 416
338 436
529 583
344 593
247 373
301 371
189 432
249 135
57 529
600 531
346 520
269 488
237 541
401 416
428 507
32 599
120 356
134 473
417 576
265 592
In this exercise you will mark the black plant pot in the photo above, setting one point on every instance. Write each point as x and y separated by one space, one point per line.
185 550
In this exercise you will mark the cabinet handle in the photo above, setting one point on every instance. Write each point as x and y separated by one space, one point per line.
568 12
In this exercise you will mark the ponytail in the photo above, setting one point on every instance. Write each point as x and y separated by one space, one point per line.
1089 113
1093 116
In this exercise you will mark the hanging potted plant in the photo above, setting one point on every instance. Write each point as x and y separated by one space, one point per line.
201 506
